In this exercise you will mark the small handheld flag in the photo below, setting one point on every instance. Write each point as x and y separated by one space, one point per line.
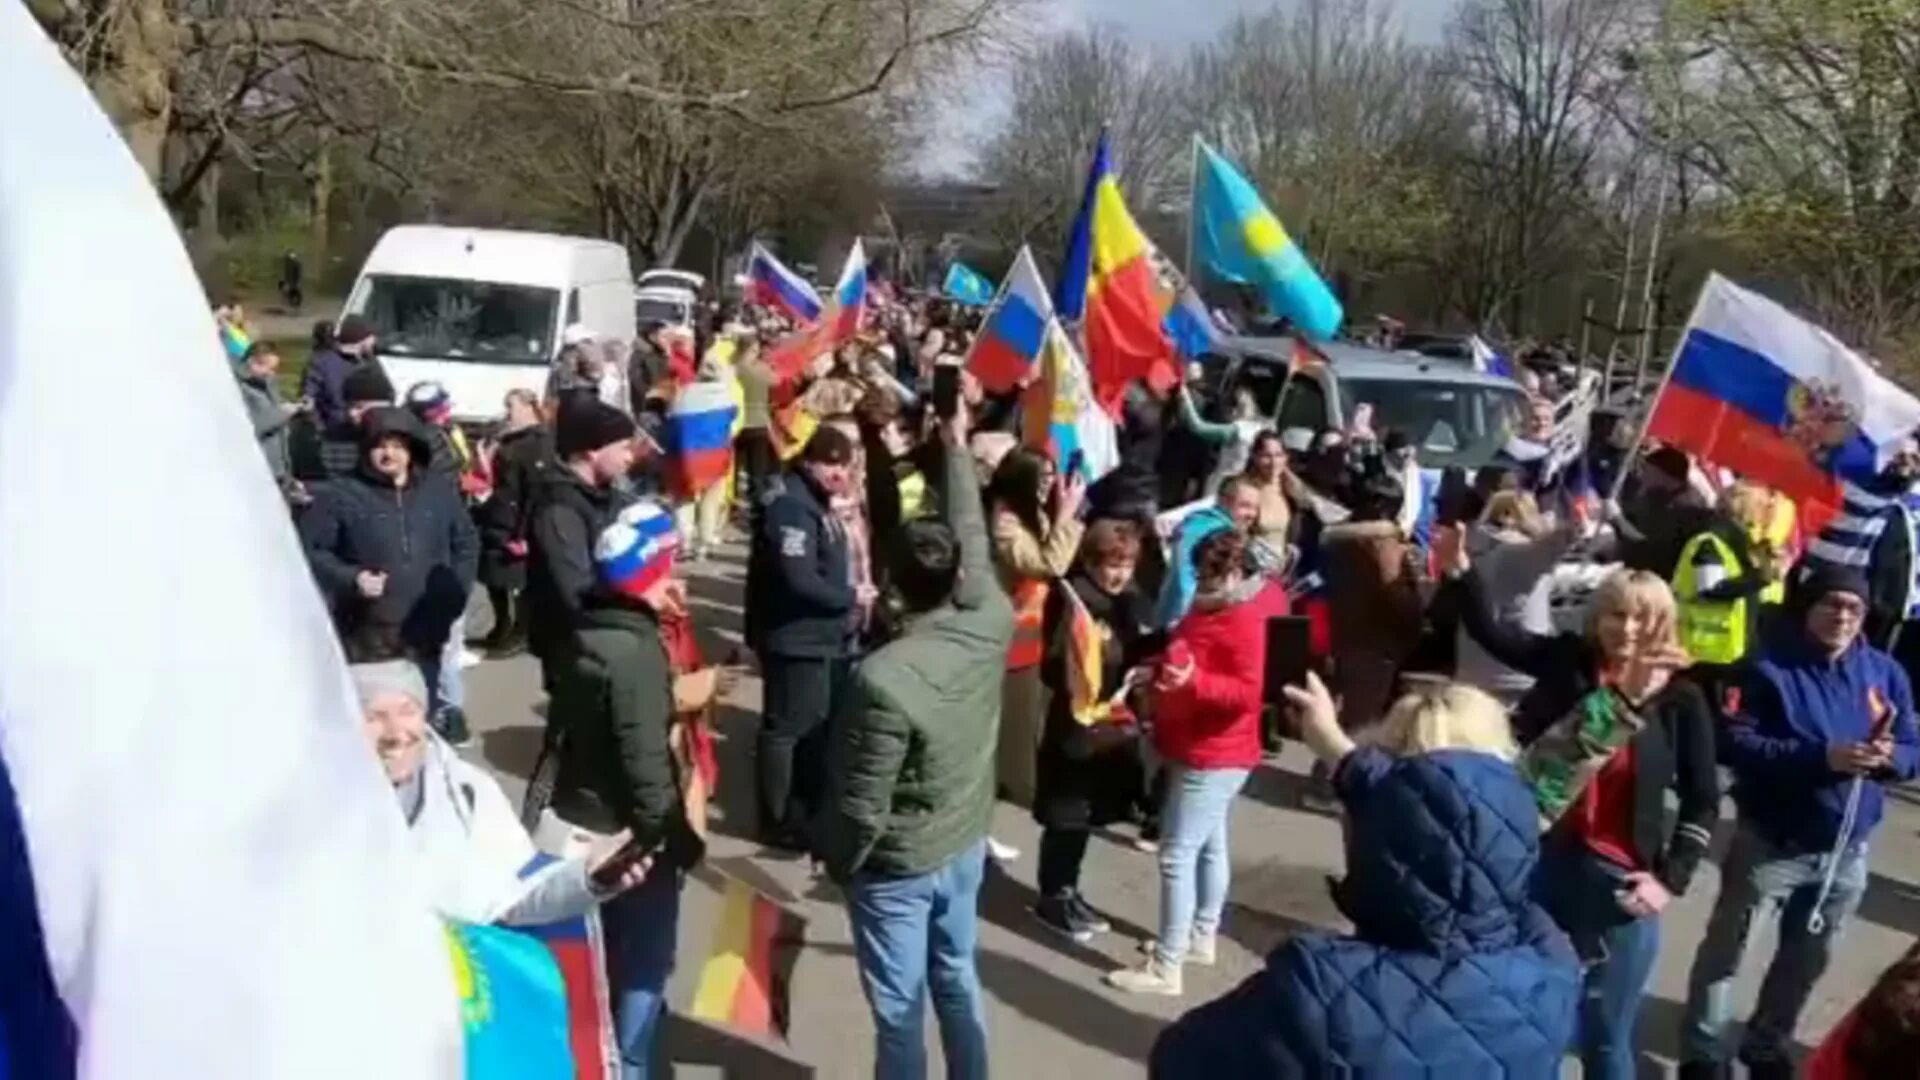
746 979
778 287
967 285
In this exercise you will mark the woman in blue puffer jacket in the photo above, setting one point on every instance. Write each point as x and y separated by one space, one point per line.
1452 969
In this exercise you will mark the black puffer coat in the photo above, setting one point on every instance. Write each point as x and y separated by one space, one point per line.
418 534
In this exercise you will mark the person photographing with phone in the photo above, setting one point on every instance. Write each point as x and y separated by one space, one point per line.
1609 726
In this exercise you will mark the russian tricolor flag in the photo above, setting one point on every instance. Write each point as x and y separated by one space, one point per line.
838 323
1015 328
1758 390
699 435
775 286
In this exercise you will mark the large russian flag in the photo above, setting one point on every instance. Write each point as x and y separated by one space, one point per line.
776 286
1756 389
838 323
167 908
1015 328
700 435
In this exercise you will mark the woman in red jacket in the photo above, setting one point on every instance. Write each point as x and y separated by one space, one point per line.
1207 729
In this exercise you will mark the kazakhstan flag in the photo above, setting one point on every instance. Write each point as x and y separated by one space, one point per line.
1238 239
966 285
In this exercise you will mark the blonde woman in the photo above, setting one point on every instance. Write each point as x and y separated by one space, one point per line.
1514 550
1609 730
1441 853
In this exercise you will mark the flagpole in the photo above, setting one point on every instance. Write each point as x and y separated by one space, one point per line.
1193 197
1666 377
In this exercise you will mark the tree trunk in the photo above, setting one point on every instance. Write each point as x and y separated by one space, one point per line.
206 219
319 213
135 82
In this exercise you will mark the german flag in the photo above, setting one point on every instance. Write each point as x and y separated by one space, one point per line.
746 978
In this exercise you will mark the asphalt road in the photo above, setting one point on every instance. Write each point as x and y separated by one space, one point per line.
1048 1013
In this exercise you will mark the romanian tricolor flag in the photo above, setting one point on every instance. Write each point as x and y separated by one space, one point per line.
699 436
839 320
745 979
1238 239
1016 324
1109 279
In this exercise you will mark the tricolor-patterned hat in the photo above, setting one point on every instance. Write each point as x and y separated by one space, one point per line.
430 402
635 553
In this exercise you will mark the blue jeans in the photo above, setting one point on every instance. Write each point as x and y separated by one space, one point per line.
1579 890
1193 836
450 682
1758 874
913 933
641 927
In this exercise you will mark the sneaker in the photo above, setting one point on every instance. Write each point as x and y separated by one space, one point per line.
1091 919
1771 1069
451 723
1152 977
1001 853
1705 1070
1058 914
1203 949
469 658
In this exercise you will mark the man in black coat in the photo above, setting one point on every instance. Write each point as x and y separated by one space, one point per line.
573 504
327 371
394 550
806 609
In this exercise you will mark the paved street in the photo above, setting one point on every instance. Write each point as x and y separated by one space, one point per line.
1049 1015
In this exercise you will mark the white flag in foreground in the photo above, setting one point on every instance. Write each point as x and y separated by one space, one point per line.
199 855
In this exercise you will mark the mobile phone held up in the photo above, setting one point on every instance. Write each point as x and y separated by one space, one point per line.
946 391
1289 656
609 873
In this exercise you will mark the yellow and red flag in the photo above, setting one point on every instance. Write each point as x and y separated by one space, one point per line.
1110 280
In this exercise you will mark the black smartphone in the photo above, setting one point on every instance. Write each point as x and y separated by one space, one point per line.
1289 656
608 873
1076 461
946 391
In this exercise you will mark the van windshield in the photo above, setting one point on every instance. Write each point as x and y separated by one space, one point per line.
448 318
1450 423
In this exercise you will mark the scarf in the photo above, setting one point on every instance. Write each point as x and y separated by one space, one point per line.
1565 759
1215 599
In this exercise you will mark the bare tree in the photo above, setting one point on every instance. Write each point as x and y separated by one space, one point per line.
1537 74
1063 95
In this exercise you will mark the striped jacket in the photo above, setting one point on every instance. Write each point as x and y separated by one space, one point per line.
1859 538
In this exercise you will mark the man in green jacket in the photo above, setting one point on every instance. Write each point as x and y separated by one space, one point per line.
906 827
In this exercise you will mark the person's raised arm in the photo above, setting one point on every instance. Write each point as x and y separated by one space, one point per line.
1217 434
978 587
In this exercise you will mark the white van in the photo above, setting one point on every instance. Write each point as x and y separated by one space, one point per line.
480 311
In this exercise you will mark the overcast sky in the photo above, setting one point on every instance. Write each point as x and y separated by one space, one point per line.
1166 25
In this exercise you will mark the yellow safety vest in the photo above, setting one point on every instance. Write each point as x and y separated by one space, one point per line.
1712 631
1777 534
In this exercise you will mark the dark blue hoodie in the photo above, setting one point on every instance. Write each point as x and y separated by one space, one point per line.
1452 969
1793 703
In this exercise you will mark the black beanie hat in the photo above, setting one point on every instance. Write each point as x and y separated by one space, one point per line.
1820 579
366 383
352 330
829 446
587 424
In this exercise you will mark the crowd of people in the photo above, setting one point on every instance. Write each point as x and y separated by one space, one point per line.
944 615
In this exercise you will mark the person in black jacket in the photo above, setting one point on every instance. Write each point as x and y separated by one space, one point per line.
573 502
806 615
394 550
323 452
521 460
1609 727
1088 771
